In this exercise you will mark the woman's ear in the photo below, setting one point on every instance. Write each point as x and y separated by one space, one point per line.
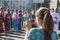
36 20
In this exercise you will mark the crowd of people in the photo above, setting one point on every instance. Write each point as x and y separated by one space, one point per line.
39 25
14 19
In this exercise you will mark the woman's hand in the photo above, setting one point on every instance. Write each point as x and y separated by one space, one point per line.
28 24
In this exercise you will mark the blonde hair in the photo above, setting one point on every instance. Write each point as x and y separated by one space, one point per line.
39 10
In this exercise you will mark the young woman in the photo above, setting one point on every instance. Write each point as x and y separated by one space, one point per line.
8 21
25 17
44 24
20 20
1 20
28 27
15 18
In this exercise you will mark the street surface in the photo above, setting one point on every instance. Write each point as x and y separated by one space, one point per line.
13 35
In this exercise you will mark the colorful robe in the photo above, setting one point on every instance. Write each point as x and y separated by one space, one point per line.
8 22
20 21
1 21
15 24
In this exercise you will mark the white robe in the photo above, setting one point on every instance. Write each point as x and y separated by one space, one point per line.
56 18
15 25
14 15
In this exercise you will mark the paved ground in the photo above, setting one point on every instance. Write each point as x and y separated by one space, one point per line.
13 35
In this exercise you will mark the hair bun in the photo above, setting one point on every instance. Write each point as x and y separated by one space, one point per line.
46 12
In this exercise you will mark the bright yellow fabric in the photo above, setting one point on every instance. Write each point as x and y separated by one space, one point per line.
3 25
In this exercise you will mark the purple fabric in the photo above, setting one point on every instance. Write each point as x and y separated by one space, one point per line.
1 21
8 15
17 18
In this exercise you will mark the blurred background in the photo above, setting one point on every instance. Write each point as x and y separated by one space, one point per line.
30 4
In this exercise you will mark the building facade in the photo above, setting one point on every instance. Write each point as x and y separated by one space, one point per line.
58 5
37 4
17 4
53 3
24 4
20 4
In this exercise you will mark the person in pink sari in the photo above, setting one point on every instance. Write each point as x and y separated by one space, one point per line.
15 18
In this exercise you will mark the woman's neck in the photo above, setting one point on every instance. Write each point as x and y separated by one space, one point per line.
39 26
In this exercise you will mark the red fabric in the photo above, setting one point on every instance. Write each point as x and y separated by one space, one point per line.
46 11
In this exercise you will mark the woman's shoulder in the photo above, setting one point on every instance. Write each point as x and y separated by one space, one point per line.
36 33
54 36
54 33
36 30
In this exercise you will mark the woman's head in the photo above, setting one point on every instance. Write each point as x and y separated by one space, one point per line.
1 11
16 11
39 15
44 19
